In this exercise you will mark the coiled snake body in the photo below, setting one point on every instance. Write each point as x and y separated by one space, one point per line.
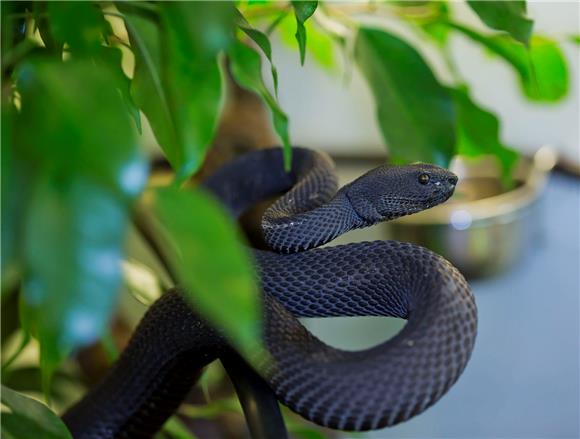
362 390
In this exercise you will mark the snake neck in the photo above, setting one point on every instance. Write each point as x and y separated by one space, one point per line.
289 232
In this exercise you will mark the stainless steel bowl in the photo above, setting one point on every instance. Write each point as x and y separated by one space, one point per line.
483 229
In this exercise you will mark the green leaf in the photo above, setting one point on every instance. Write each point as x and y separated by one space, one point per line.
73 248
430 17
29 418
177 429
12 206
211 263
509 16
87 172
263 42
83 27
305 432
42 21
177 80
246 68
194 35
213 409
147 89
79 24
303 10
478 133
80 124
414 111
112 58
320 46
542 69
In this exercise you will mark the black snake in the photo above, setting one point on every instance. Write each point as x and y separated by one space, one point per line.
361 390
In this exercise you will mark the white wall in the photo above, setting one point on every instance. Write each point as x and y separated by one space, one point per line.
327 113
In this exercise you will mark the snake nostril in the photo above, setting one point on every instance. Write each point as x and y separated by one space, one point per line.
452 180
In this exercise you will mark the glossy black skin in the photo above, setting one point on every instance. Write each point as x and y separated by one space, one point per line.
389 192
363 390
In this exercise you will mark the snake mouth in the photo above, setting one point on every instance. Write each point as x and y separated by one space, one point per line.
442 197
410 206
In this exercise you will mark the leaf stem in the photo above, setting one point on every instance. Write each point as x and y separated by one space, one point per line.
144 228
23 343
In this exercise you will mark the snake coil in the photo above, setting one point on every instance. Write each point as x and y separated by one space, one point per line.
362 390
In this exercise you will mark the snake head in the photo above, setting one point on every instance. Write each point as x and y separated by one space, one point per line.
389 192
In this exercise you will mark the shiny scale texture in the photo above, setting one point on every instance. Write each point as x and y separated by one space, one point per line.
361 390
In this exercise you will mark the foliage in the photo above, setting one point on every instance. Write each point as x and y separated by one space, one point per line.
77 79
29 418
407 94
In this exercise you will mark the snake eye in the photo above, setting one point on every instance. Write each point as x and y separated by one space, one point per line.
424 178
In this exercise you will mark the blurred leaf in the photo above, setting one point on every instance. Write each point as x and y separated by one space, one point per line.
542 68
194 35
574 39
42 21
28 379
7 363
79 24
211 263
177 81
73 250
410 3
177 429
430 18
8 25
305 432
109 346
12 200
263 42
80 124
320 46
84 28
246 68
147 88
211 378
414 111
549 77
276 22
112 57
478 134
509 16
141 282
10 321
213 409
30 419
89 170
303 10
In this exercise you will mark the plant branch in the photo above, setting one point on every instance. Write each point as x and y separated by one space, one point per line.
259 403
145 229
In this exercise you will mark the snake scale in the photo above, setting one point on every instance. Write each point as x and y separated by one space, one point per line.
361 390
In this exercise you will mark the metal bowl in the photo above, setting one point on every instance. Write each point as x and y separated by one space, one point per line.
483 229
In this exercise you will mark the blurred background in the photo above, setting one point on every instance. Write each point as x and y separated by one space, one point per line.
337 114
513 226
523 379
